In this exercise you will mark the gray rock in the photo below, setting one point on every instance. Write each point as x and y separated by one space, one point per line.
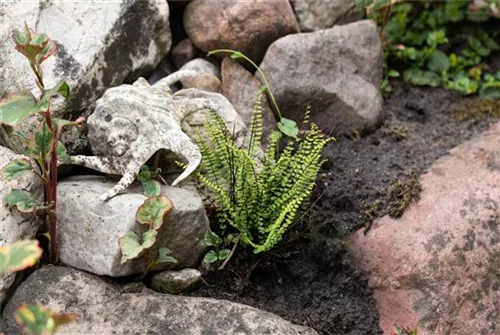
338 72
99 44
175 282
183 52
206 76
316 15
89 229
200 65
107 309
14 225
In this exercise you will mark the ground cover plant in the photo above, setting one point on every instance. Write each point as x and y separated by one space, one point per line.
43 146
439 43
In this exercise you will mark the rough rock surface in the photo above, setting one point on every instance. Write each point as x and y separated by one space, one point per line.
175 282
246 26
133 122
337 71
206 76
437 267
316 15
99 44
89 229
183 52
14 225
241 88
107 309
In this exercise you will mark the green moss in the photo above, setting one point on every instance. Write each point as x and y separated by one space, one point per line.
478 109
397 132
402 193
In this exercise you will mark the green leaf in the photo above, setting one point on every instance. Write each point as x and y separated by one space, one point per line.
17 107
153 211
39 320
62 153
224 253
152 188
422 78
149 239
19 256
210 257
211 239
237 55
438 62
262 89
144 174
164 256
48 50
393 73
478 47
22 200
61 88
275 135
288 127
436 38
16 169
40 143
130 246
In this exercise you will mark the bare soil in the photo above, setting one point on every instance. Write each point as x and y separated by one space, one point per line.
309 279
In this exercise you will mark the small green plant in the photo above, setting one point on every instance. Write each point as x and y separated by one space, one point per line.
151 213
43 146
286 126
258 193
34 319
428 42
398 330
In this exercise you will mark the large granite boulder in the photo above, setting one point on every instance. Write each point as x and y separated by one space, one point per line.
99 45
438 266
249 26
89 229
14 225
337 71
107 309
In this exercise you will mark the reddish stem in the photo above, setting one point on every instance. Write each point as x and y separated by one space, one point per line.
52 189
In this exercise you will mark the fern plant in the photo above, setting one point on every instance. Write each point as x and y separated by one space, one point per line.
258 192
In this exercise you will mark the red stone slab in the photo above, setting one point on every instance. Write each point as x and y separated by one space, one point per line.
438 266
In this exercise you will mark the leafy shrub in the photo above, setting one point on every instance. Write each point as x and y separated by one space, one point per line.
258 192
438 43
43 145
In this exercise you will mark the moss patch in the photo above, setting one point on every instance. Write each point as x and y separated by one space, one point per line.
478 109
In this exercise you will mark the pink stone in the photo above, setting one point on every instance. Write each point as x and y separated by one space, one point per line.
438 266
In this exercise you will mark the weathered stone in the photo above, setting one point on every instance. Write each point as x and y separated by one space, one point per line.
89 229
133 122
107 309
203 81
241 88
246 26
99 45
316 15
183 52
175 282
14 225
206 76
338 73
438 267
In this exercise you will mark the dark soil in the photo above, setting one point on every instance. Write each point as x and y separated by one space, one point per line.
309 279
